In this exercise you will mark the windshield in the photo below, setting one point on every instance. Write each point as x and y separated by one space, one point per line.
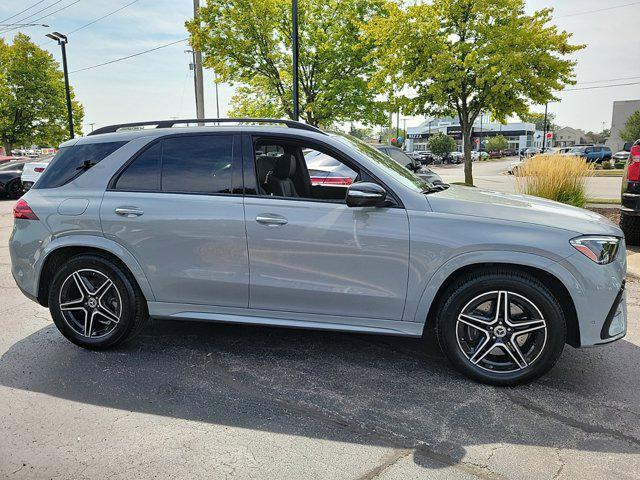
393 169
577 150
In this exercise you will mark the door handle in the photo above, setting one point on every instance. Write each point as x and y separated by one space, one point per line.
271 220
129 211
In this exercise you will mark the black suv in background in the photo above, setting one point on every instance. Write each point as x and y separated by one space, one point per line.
630 202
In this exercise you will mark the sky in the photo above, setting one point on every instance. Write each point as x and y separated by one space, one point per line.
159 84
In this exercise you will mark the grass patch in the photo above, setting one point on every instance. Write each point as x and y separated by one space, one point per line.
607 201
556 177
608 173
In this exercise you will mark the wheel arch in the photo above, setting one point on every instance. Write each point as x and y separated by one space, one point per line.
550 274
59 252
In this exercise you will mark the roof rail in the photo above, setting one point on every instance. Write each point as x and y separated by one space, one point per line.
171 123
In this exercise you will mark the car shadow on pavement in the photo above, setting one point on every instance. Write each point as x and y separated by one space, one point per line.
393 392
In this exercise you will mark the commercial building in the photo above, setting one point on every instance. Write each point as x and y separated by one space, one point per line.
518 135
622 110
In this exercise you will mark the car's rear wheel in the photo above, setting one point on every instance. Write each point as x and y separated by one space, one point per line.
501 327
95 303
630 226
14 189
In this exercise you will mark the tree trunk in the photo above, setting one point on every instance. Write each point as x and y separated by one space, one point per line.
7 148
466 145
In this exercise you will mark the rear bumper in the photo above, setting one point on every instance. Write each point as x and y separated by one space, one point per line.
630 204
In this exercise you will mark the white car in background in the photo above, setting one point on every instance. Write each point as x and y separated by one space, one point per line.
32 172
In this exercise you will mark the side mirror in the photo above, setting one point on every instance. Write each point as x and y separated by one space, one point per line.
365 194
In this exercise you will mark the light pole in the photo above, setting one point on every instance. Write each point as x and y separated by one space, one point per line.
294 45
544 128
62 41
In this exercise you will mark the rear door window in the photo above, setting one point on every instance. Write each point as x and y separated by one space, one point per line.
143 174
71 162
197 164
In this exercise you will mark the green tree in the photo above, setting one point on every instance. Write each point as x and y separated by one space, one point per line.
598 137
248 42
631 130
538 120
462 57
32 97
361 133
497 143
441 144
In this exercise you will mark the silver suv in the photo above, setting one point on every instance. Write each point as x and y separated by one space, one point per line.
222 223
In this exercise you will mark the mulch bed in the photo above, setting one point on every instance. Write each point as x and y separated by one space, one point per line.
612 214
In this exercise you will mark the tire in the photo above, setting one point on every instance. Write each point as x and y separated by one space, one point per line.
13 189
630 226
97 315
538 341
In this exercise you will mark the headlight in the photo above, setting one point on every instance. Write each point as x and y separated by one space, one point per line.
601 250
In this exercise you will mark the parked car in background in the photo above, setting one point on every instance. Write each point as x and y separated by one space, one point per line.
32 171
7 158
630 201
620 156
10 173
425 157
593 153
510 153
194 224
400 157
530 152
550 151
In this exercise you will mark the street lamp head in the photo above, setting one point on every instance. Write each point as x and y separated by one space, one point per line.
58 37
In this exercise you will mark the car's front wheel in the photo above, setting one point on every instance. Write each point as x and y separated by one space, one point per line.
95 303
501 327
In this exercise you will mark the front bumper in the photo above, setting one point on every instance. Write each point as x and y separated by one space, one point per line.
599 298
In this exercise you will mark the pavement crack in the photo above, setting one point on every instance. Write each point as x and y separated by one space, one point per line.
386 462
572 422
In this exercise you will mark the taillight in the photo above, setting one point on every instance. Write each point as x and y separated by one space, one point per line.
633 172
38 169
23 210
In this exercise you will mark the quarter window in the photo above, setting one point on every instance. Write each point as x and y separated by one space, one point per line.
71 162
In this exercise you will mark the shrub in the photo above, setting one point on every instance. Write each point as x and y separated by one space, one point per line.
556 177
619 165
606 165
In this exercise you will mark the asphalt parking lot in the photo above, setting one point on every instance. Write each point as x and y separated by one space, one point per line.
195 400
492 176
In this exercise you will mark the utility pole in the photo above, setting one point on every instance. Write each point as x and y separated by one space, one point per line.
544 134
91 125
294 45
62 41
397 124
215 79
197 70
480 142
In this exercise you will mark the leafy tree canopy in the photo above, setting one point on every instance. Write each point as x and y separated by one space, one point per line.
249 42
461 57
441 144
538 120
497 143
32 97
631 130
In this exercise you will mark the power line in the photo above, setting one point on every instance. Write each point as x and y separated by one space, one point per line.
22 20
103 17
45 16
608 80
598 10
600 86
129 56
21 12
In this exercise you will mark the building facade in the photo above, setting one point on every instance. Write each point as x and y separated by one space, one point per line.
519 135
622 110
568 137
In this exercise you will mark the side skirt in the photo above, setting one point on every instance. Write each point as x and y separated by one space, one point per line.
207 313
